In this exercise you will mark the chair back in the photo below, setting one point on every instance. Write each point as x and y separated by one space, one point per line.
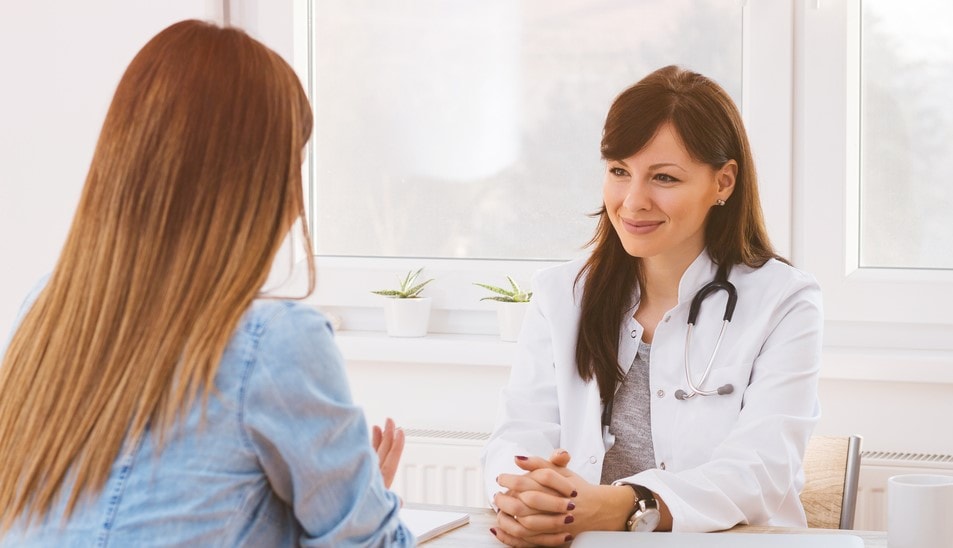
831 472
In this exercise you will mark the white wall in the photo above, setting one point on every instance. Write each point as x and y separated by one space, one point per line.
61 62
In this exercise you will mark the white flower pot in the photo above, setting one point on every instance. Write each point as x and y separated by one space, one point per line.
407 317
510 319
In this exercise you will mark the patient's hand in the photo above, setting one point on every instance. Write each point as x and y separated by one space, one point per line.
389 444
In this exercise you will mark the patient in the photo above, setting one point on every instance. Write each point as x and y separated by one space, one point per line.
149 394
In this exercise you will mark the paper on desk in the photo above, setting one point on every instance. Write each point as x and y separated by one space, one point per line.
426 524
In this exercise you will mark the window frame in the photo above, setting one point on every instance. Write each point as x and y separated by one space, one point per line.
899 311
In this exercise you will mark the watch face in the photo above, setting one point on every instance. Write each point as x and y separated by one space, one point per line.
645 521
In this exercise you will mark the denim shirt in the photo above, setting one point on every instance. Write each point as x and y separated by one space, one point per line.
283 458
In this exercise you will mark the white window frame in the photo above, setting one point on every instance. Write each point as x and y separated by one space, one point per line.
886 318
345 282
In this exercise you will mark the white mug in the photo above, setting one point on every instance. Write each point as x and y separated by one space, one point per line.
920 511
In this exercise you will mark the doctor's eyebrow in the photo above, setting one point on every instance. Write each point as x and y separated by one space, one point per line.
653 167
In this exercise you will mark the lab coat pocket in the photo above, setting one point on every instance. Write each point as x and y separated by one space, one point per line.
710 419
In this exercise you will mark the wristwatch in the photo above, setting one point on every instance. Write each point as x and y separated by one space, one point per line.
645 514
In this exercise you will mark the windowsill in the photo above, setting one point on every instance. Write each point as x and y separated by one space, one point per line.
839 363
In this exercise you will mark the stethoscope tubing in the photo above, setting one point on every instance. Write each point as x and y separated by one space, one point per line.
695 389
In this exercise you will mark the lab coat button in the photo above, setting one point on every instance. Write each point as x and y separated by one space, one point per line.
667 318
660 393
634 333
593 459
661 466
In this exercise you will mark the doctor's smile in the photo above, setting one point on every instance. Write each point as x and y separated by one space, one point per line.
641 227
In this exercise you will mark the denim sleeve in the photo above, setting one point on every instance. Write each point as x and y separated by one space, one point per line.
24 308
311 440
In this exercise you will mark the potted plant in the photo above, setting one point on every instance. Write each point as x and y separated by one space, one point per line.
407 313
511 307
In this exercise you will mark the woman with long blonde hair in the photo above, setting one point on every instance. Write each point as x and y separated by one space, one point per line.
148 396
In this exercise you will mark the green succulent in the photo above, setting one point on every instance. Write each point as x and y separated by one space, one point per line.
409 289
514 295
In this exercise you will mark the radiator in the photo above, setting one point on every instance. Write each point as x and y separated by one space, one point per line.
443 467
875 468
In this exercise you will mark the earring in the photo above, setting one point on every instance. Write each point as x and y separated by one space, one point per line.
719 202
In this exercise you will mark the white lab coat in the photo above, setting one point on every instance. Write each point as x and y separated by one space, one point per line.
721 460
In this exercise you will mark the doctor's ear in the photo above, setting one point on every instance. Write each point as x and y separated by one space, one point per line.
725 177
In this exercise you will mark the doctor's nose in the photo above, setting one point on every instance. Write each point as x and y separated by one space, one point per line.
636 197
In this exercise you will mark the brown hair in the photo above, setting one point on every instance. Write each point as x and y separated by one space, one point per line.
194 183
710 127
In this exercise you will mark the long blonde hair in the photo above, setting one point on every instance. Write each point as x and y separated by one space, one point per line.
195 181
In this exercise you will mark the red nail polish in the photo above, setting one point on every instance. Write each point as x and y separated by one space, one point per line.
492 530
521 457
571 506
573 494
568 538
569 519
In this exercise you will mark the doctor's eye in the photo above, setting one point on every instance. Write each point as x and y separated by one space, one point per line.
618 172
665 178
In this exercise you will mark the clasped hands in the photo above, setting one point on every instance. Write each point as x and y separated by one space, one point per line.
550 504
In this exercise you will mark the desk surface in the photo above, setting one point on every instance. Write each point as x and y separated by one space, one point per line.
477 532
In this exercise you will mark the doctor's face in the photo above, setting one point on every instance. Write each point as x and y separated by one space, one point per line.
658 199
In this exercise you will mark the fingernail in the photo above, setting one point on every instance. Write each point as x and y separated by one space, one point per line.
492 530
521 457
569 519
573 494
563 452
497 479
568 538
571 506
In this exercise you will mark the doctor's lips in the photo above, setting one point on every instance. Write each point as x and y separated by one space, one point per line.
640 227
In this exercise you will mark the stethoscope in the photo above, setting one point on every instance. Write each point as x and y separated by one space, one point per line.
720 283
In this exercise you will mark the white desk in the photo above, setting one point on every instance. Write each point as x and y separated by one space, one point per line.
477 532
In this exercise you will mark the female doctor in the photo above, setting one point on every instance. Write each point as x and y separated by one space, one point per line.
626 409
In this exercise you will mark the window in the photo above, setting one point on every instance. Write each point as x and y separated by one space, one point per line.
906 137
454 129
871 201
463 136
